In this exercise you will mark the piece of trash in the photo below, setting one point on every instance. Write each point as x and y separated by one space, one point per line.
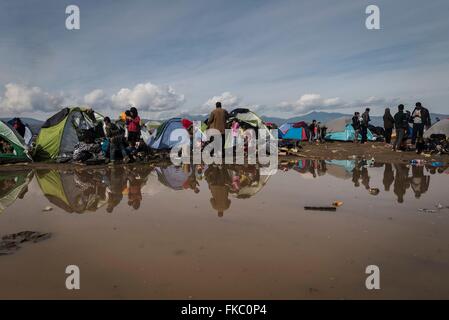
47 208
337 203
374 191
320 208
439 206
427 210
334 151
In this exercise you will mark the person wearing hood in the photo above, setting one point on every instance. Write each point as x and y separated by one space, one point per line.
388 125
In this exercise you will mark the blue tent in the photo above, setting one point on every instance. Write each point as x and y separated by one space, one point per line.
341 130
164 139
293 132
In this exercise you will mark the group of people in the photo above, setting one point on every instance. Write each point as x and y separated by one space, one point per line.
317 131
121 138
360 123
403 122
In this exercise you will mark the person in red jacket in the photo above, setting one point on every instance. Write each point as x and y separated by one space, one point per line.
133 126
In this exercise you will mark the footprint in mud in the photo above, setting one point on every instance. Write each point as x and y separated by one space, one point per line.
10 243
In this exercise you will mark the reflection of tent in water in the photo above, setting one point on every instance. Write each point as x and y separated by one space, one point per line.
62 190
153 185
172 177
13 185
12 146
341 129
250 185
340 168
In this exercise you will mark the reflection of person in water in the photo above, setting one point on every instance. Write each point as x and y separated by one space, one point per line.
92 189
218 180
356 175
401 181
321 167
117 184
365 177
191 182
418 181
388 176
137 178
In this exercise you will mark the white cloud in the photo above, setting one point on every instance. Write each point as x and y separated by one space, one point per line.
148 97
19 99
309 102
97 99
228 101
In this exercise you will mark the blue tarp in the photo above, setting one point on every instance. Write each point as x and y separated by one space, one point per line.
347 135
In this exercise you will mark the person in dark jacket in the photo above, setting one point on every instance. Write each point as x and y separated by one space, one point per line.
356 126
115 137
421 119
364 125
388 125
401 125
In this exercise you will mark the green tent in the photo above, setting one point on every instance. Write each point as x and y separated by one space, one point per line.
13 185
12 146
71 191
60 133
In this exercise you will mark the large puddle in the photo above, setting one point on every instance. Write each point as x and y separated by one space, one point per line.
226 232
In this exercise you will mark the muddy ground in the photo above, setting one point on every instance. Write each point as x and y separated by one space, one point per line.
329 151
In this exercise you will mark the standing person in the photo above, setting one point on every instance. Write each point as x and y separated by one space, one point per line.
401 125
356 126
421 119
115 138
217 120
388 125
312 129
133 126
364 125
235 127
318 132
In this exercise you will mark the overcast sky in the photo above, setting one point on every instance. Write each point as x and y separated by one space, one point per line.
280 58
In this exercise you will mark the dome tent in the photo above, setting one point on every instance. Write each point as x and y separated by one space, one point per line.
441 127
60 133
341 129
294 131
247 119
162 139
12 146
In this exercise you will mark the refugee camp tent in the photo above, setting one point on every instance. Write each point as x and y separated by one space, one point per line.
247 119
28 136
61 132
64 190
172 176
441 127
294 131
12 146
341 129
13 185
163 139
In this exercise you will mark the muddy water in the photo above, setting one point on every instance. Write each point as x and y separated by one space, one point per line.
178 233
